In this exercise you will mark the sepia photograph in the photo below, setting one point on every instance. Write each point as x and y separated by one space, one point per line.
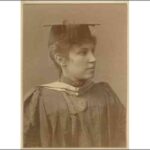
74 74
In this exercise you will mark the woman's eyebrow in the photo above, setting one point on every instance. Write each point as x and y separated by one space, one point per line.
82 49
86 48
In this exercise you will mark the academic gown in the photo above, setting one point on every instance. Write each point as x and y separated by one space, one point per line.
69 116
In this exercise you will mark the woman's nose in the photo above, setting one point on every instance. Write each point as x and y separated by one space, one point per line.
92 57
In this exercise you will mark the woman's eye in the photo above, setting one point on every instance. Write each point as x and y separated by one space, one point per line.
83 52
93 50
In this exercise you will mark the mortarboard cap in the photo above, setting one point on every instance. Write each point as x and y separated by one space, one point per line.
69 32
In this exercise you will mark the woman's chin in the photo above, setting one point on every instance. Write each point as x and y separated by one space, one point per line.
89 76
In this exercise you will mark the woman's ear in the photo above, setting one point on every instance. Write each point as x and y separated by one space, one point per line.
60 60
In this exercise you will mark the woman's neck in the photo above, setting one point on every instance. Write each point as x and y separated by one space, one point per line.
73 82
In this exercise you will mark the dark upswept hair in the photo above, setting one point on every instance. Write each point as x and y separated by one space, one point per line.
63 37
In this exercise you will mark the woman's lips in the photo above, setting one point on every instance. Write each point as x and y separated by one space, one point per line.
91 68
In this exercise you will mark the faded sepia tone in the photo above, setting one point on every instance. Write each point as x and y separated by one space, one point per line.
110 51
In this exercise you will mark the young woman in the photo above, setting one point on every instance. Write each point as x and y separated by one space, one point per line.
73 111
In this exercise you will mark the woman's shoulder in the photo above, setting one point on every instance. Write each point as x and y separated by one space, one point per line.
105 89
33 91
40 91
103 86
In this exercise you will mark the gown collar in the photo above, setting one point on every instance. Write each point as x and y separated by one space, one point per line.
72 88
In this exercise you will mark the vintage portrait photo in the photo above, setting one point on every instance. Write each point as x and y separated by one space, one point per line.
74 75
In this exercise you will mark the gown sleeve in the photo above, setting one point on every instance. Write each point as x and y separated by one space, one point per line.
116 119
31 135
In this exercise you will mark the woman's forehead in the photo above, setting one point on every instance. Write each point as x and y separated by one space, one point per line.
82 46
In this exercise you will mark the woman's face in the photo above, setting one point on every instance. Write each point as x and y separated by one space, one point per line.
81 61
